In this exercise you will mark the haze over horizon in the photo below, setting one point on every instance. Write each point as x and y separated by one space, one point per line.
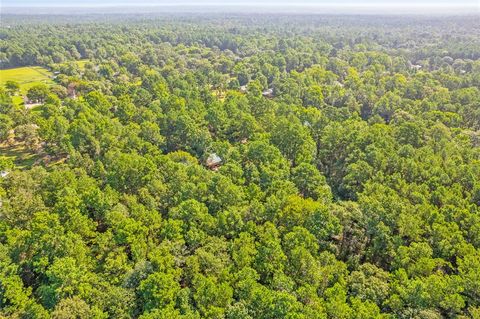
423 7
261 3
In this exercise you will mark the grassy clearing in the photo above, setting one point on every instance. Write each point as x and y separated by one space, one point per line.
81 63
24 158
17 100
219 94
21 156
26 77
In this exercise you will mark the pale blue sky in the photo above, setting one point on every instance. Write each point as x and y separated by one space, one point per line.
380 3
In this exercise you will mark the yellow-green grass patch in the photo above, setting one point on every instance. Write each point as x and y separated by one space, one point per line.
27 77
21 156
81 63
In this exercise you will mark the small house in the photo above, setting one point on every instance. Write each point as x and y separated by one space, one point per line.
213 161
268 93
29 104
416 67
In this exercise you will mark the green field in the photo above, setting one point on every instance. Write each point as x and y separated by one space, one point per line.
19 154
26 77
81 63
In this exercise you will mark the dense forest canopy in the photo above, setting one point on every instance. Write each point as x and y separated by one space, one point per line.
241 167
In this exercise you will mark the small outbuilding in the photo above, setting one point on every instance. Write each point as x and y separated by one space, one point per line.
268 93
415 67
213 161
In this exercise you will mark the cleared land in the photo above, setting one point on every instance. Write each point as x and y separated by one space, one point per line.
21 156
26 77
81 63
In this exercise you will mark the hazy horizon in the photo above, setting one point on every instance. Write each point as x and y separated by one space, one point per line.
427 7
244 3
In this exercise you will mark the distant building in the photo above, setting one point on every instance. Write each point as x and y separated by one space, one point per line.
213 161
340 84
415 67
268 93
29 104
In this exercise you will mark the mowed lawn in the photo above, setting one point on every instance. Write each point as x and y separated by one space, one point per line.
26 77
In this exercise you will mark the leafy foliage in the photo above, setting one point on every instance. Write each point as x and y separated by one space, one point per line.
350 189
